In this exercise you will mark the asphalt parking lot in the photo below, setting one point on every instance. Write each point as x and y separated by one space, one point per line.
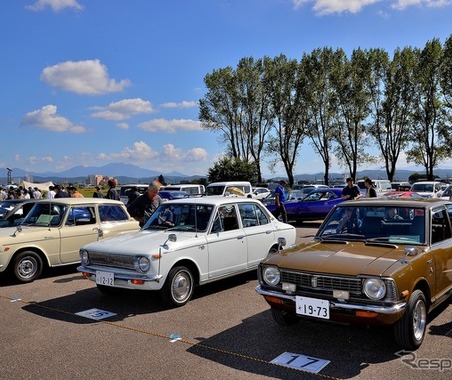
225 331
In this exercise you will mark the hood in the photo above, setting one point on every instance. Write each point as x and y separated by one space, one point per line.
353 258
145 242
11 236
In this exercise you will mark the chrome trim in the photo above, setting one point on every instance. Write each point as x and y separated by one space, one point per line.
123 276
334 305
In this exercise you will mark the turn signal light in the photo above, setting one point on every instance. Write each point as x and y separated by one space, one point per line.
273 299
366 314
137 282
86 274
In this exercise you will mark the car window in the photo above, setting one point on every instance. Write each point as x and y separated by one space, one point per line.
440 226
225 219
80 215
252 215
45 214
112 213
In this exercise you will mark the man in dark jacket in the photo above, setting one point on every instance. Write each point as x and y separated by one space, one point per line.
145 205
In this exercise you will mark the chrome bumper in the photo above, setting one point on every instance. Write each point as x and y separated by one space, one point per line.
395 309
124 276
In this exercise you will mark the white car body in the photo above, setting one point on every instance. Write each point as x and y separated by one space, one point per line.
428 189
260 192
235 235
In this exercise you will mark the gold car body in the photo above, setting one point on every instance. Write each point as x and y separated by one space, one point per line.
334 267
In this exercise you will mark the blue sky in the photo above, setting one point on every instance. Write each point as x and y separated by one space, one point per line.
101 81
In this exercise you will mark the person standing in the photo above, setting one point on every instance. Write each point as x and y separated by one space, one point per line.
60 192
350 191
370 192
98 193
280 198
112 193
51 193
145 205
37 194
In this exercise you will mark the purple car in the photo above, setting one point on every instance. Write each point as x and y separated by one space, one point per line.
315 205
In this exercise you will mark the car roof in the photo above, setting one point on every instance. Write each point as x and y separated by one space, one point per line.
396 202
216 200
81 201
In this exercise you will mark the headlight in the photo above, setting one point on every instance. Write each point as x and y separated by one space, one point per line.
142 264
374 288
271 275
84 257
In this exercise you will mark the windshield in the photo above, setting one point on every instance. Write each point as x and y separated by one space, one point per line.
424 187
398 225
45 214
180 217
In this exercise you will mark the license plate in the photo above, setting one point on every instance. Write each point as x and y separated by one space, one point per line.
312 307
105 278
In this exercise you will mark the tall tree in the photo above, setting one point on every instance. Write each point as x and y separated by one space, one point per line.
321 101
392 87
427 132
289 115
446 86
254 104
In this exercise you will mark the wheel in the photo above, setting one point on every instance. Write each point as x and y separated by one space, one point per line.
27 266
283 318
410 329
178 288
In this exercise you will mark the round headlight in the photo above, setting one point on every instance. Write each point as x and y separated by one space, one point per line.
84 257
374 288
271 275
142 264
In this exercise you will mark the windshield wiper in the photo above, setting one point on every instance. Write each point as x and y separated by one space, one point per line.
342 237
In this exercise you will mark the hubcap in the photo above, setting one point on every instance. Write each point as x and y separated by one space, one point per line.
27 268
419 320
181 286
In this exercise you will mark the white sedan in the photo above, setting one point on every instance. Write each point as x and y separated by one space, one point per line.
187 242
260 192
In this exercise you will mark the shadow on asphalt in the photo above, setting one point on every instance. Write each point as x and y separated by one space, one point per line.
349 349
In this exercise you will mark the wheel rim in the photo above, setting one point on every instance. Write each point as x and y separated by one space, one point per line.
419 320
181 286
27 267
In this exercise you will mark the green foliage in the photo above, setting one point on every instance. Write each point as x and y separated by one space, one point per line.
232 169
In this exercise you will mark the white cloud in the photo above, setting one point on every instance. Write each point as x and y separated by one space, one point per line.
124 109
170 126
55 5
403 4
123 125
325 7
140 152
183 104
88 77
48 119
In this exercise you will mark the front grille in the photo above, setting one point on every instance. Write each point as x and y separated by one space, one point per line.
316 282
109 260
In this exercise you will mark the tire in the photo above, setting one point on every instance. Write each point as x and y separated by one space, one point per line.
410 329
283 318
178 288
27 266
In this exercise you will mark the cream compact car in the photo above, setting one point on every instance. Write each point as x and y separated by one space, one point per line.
186 242
54 230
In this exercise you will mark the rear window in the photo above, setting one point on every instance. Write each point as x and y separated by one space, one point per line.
112 213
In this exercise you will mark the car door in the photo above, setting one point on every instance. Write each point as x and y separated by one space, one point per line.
259 232
80 227
441 248
226 242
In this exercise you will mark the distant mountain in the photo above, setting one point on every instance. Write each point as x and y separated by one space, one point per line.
127 173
